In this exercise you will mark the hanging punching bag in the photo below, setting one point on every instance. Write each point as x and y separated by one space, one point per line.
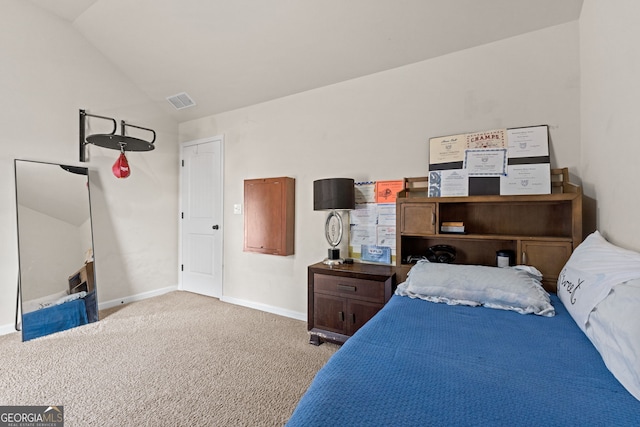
121 167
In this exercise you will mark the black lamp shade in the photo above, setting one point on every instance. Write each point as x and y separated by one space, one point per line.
333 193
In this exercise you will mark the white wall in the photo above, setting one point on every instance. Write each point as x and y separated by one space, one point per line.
610 109
48 72
377 128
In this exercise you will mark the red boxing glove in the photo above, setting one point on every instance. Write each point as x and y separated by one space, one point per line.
121 167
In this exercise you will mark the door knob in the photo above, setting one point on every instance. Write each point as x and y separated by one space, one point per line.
215 227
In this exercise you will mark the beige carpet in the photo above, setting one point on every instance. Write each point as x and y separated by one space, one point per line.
179 359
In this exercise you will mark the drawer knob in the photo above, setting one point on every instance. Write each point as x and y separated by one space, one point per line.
346 288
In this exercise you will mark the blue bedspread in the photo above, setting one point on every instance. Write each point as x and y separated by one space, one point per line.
52 319
418 363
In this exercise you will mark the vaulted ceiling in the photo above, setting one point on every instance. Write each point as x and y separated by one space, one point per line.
228 54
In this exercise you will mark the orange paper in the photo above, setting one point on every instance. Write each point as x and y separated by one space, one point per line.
386 191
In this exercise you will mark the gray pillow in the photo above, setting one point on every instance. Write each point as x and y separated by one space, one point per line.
474 285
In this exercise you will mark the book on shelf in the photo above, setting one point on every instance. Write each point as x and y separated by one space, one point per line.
452 223
452 227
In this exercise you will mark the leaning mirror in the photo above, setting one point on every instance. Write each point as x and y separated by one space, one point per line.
56 284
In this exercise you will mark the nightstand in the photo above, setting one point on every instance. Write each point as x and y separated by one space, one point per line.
344 297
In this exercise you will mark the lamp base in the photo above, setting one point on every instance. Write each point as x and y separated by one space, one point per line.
333 257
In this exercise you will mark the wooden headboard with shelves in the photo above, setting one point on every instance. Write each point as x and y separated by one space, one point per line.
542 230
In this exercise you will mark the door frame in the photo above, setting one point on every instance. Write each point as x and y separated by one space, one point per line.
219 139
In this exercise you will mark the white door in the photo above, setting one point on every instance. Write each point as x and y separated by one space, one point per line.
201 216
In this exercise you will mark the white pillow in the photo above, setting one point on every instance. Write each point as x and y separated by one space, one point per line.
594 267
501 288
614 329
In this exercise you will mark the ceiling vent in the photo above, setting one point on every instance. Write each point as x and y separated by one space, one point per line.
181 100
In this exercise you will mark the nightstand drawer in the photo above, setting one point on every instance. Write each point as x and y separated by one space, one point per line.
367 290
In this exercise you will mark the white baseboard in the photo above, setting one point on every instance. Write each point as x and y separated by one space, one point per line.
138 297
268 308
7 329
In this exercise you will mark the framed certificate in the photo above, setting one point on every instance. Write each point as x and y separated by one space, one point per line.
449 183
486 162
487 139
528 142
526 179
447 149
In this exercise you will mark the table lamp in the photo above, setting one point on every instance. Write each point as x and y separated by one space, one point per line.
333 194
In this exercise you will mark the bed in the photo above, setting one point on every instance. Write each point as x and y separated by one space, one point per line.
57 312
464 356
